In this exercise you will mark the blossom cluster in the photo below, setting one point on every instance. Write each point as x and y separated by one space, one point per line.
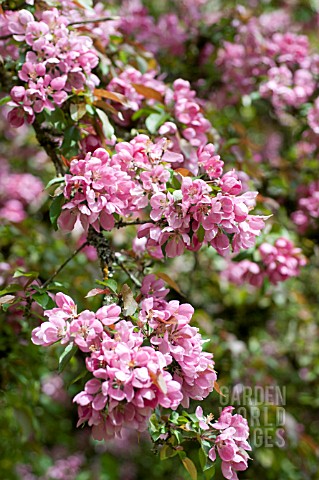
277 263
264 57
186 126
124 84
307 214
188 215
18 191
137 23
58 62
153 359
62 469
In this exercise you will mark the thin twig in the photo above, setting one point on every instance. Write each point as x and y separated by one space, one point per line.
79 22
50 142
6 37
97 20
121 224
49 280
128 273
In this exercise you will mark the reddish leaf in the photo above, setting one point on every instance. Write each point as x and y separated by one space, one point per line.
97 291
159 381
190 467
148 92
169 281
116 97
65 161
184 172
217 388
105 106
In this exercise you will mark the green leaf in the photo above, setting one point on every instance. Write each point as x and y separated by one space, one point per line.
5 100
44 300
175 183
202 458
14 287
55 210
206 446
20 273
182 420
167 452
90 109
110 283
192 416
142 64
81 375
143 111
190 467
66 356
107 128
209 473
130 305
155 120
70 141
174 417
87 4
200 233
177 195
54 181
56 118
178 436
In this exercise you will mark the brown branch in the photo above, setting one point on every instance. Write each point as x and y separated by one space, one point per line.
96 20
49 142
122 224
78 22
128 273
6 37
49 280
103 248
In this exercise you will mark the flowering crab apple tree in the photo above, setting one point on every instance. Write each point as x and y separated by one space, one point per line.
133 151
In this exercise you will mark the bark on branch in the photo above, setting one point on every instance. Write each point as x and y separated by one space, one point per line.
50 143
104 250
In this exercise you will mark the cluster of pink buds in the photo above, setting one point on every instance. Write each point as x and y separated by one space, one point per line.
307 214
278 263
156 361
57 63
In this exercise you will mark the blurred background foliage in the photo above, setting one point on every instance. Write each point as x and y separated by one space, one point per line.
265 337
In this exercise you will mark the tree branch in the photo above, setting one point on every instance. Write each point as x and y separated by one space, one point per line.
6 37
121 223
78 22
49 142
96 20
103 248
49 280
128 273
